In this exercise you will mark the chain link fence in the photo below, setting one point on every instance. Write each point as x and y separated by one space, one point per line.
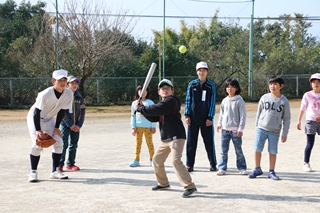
22 92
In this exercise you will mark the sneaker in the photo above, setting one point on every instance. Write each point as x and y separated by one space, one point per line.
243 172
157 187
135 163
307 167
33 176
213 168
151 164
60 168
273 176
190 169
255 173
58 175
72 168
188 192
221 172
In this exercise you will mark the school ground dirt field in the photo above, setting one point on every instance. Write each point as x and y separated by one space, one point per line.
106 183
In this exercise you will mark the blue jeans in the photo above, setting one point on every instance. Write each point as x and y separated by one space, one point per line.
226 136
74 138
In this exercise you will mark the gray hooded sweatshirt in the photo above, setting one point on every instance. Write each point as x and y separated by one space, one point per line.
232 114
272 113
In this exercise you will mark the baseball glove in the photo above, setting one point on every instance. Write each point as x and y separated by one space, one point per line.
46 142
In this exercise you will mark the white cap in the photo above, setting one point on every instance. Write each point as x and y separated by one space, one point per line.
72 78
165 81
201 64
315 76
58 74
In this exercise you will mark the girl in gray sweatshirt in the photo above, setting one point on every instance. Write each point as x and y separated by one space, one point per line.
232 120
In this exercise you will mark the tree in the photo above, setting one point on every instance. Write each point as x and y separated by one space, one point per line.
16 37
304 47
285 47
87 38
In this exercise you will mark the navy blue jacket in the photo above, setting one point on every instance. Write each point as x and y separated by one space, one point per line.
200 101
78 114
167 113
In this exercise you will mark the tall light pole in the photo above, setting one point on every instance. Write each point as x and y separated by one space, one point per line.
250 74
159 61
164 37
57 38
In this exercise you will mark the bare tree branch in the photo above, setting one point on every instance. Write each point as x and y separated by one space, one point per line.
87 37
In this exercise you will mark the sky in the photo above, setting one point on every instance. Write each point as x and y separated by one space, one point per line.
199 8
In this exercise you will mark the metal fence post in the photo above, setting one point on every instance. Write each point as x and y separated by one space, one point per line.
11 93
297 86
98 92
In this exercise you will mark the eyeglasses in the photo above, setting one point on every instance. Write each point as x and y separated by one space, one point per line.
165 88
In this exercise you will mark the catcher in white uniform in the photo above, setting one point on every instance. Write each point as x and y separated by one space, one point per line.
51 102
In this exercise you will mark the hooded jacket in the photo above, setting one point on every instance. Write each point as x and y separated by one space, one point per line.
167 113
232 114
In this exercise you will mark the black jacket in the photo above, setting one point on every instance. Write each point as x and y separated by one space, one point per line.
167 113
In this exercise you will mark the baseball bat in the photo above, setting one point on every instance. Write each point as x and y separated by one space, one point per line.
147 80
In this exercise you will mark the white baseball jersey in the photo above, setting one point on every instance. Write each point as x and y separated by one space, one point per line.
49 105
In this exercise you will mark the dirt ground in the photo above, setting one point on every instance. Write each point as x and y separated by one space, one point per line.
106 183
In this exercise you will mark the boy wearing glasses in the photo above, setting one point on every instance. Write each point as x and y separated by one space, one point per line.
173 136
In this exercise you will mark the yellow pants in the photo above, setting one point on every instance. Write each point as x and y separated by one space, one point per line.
148 136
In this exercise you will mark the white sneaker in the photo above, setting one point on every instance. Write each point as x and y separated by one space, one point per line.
33 176
221 172
243 172
58 175
307 168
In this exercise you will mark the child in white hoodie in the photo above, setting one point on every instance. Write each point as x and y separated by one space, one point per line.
232 121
